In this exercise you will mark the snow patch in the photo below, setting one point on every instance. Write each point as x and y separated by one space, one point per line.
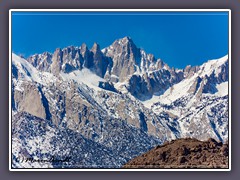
84 76
148 103
222 89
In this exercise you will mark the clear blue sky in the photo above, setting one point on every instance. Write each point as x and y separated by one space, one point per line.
178 38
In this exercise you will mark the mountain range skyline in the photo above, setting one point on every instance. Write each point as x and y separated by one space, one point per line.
179 38
102 49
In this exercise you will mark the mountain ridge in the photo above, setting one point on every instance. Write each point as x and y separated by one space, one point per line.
121 63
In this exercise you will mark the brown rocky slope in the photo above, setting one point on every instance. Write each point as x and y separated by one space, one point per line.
184 153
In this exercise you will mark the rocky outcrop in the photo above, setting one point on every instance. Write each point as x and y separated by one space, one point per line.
72 59
184 153
41 61
157 82
57 60
190 71
100 62
30 100
87 56
195 86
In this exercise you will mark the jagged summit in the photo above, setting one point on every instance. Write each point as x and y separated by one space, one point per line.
95 47
125 40
84 47
124 63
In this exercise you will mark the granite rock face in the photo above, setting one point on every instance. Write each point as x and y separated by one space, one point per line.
125 56
157 82
100 62
57 60
41 61
30 100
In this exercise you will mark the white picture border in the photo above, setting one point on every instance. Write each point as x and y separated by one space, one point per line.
115 10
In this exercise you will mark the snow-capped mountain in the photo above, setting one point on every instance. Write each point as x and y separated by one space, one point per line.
119 99
199 103
122 63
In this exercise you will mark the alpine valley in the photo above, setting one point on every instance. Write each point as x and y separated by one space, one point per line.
100 108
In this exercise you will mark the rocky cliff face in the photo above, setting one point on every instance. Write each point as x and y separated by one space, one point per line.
30 100
125 56
41 61
120 99
57 60
100 61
